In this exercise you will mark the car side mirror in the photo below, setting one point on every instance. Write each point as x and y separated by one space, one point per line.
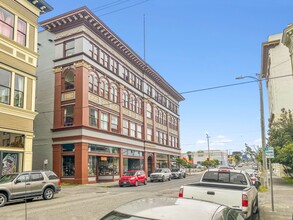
257 184
17 181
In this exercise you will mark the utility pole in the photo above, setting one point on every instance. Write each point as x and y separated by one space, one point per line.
262 124
208 141
263 138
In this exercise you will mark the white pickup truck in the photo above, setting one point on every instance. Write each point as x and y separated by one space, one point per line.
232 188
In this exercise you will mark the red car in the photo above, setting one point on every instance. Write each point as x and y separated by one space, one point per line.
133 178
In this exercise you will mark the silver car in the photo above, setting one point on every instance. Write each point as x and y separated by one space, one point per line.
28 185
161 174
172 209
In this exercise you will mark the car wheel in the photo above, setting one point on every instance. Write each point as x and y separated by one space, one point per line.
163 179
169 178
136 183
3 200
48 194
145 182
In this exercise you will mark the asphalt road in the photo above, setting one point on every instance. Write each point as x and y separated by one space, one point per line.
89 201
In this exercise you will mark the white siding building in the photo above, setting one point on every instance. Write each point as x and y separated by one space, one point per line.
276 68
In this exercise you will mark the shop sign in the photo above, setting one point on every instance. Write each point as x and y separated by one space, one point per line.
103 158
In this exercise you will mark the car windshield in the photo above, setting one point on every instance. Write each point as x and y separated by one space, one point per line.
175 170
129 173
7 178
159 170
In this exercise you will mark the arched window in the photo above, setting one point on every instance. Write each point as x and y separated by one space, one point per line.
149 111
91 83
69 80
125 99
156 115
104 89
131 103
96 85
114 94
164 118
138 105
160 117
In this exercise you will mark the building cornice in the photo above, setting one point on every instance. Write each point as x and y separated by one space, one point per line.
287 38
266 46
43 6
83 16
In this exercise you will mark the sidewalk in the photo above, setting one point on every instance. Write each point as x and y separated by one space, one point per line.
283 201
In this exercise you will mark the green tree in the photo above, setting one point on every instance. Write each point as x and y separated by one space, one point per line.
210 163
237 158
181 162
284 156
281 130
281 139
254 154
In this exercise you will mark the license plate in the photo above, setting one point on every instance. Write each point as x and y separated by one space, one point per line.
124 182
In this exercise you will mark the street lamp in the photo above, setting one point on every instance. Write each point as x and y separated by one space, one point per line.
262 122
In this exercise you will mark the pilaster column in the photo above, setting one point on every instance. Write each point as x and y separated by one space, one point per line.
121 164
57 159
120 124
81 163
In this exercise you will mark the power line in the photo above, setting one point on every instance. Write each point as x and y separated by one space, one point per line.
229 85
109 5
130 6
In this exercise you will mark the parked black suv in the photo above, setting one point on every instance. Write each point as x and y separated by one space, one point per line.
28 185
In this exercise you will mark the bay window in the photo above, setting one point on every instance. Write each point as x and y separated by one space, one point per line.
93 117
18 91
5 86
68 116
104 121
21 32
6 23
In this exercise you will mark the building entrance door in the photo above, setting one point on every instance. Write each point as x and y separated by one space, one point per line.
150 162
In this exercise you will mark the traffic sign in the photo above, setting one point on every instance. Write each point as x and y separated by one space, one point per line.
270 153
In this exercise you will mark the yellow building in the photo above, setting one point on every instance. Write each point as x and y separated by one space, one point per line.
18 62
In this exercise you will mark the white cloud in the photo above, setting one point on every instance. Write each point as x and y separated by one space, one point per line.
220 136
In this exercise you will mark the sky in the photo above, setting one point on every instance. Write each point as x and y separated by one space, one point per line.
196 46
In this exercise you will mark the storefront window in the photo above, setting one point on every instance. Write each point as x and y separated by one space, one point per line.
133 164
102 149
162 156
9 163
68 166
128 152
11 140
92 166
108 166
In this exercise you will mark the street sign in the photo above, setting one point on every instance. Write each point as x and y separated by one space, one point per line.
270 153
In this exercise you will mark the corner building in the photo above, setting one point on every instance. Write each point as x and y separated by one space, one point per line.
18 62
110 111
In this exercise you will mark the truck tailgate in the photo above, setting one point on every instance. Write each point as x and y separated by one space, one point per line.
231 198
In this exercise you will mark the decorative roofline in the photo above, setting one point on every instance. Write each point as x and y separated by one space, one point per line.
87 17
42 5
266 46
